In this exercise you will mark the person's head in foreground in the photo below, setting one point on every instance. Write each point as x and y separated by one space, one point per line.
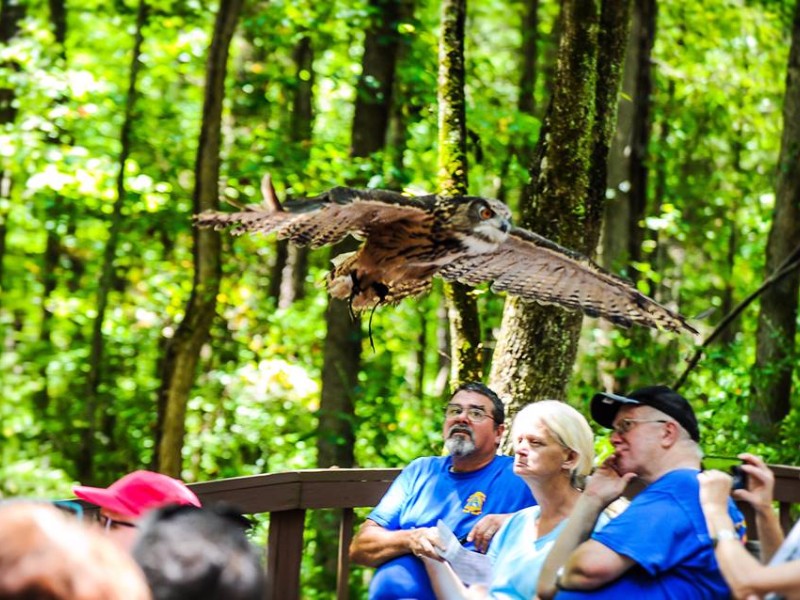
654 430
473 425
46 554
189 553
127 500
552 441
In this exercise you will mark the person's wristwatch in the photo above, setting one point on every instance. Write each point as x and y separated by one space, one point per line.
725 534
559 574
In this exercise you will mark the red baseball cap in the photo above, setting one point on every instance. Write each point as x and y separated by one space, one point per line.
137 492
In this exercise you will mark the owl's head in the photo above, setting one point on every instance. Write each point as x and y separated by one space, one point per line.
483 222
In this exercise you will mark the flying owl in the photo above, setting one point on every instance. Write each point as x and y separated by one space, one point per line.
407 240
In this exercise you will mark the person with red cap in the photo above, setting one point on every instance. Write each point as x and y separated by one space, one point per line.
126 500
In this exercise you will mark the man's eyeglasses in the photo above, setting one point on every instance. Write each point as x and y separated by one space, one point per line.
623 426
474 413
108 523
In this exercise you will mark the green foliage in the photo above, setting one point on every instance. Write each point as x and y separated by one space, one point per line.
716 107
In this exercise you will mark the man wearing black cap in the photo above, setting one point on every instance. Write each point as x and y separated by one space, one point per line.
660 546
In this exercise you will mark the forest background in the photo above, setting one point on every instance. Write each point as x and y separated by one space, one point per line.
130 339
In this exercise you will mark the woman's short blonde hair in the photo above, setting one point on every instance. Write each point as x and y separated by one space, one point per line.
566 425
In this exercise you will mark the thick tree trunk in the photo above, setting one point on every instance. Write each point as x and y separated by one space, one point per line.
97 342
537 345
462 311
777 320
343 341
183 350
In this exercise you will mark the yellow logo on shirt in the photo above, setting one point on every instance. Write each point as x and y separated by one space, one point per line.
474 505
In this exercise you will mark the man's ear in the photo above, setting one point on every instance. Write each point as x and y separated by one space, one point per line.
671 434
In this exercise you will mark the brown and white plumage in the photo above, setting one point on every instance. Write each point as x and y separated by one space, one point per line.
408 240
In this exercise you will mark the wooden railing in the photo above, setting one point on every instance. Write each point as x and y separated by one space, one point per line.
287 496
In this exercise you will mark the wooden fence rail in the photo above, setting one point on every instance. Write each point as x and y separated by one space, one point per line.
287 496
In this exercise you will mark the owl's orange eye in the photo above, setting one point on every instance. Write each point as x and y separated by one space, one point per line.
486 213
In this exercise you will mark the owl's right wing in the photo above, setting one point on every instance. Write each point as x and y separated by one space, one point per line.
323 219
534 268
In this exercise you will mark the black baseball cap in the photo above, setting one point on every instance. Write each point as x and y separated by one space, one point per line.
604 406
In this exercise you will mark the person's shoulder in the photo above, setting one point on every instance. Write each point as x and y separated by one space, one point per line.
675 482
427 463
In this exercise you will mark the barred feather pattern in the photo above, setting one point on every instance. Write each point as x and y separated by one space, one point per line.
408 240
536 269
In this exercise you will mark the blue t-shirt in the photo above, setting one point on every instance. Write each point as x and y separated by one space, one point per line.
426 491
518 555
664 532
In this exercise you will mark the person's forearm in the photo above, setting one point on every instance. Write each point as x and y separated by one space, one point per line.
374 545
770 533
736 564
578 529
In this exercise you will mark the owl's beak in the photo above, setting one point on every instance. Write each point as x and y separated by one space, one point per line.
505 226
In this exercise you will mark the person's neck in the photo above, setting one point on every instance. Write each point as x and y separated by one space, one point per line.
556 499
471 462
670 463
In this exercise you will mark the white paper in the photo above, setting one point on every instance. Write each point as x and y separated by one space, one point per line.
471 567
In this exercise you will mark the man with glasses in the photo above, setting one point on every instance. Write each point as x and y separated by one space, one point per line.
660 546
472 490
126 500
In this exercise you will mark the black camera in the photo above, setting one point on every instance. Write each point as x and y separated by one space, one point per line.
739 478
730 464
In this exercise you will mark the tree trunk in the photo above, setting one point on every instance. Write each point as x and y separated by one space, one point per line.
183 350
13 13
462 310
300 127
52 253
537 345
343 341
97 342
777 319
288 273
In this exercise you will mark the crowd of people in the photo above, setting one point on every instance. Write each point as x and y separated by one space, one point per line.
151 540
681 536
545 523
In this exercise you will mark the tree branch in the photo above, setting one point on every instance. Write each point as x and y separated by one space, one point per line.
789 264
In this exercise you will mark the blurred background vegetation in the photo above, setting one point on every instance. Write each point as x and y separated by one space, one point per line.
718 78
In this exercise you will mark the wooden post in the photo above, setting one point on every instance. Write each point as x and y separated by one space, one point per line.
343 564
284 554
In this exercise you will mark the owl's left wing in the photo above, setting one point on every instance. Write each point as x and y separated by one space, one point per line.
324 219
534 268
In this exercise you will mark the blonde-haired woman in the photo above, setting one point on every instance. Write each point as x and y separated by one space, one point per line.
554 449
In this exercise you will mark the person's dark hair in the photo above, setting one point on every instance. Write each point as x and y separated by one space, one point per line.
190 553
498 410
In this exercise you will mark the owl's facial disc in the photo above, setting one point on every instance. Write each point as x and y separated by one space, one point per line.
491 222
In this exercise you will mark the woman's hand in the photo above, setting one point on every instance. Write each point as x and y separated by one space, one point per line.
484 531
715 488
760 483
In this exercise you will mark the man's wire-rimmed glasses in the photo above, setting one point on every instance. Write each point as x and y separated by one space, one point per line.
474 413
623 426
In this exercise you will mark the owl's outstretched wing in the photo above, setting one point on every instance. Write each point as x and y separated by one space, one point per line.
534 268
323 219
